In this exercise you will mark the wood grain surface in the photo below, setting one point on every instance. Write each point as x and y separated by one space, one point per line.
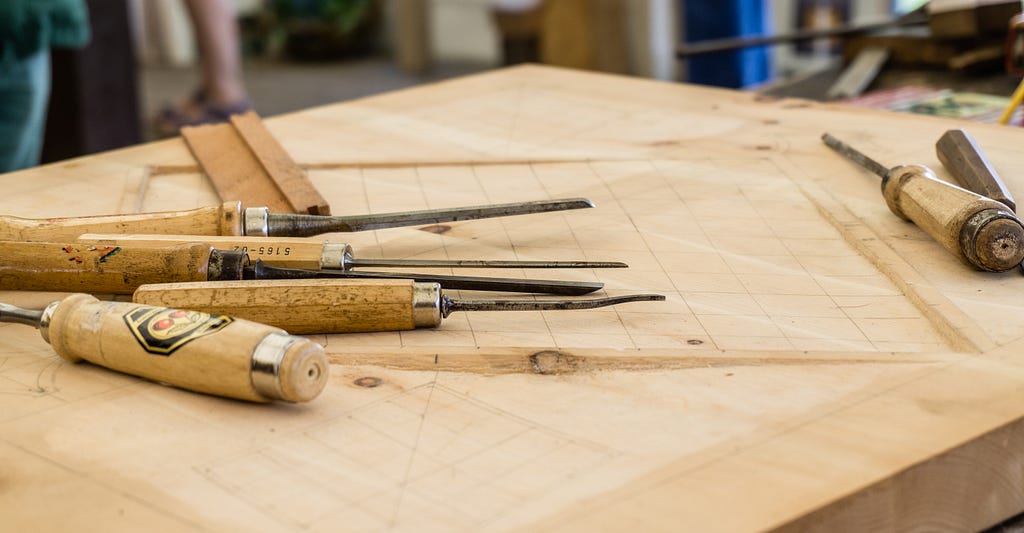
820 364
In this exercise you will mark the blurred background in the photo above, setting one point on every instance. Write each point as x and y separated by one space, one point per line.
144 61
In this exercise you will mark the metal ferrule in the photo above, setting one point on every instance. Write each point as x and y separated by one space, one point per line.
226 265
426 304
45 319
972 228
266 364
256 221
336 256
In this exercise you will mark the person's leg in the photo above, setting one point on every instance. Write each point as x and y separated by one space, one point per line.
217 38
24 93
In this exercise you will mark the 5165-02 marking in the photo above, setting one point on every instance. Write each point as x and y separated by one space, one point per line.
264 251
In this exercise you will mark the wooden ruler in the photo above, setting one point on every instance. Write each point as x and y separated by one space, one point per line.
245 162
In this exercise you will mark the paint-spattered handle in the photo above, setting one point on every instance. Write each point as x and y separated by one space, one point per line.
45 266
308 306
225 219
981 231
213 354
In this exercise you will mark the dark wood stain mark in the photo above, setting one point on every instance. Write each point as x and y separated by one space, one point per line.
553 362
368 382
437 228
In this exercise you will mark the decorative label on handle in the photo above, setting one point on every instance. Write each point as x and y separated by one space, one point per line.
161 331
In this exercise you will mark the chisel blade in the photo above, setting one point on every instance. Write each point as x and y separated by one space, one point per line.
291 225
854 155
17 315
470 263
449 306
473 283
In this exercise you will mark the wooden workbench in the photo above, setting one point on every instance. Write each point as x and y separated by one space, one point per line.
819 364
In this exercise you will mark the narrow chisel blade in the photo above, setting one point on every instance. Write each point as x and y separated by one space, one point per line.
291 225
473 283
464 263
448 305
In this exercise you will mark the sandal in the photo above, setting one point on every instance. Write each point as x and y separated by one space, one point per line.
194 112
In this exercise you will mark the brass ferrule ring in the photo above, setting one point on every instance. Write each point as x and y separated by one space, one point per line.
426 304
256 220
265 371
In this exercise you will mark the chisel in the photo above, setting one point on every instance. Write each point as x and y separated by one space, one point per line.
202 352
345 306
965 161
230 219
979 230
296 252
43 266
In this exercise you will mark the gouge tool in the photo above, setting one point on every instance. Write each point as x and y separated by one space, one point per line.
42 266
294 252
979 230
346 306
230 219
203 352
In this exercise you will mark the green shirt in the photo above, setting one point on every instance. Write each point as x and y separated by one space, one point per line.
28 26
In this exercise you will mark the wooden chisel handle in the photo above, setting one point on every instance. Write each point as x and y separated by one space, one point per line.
981 231
44 266
290 252
203 352
307 306
225 219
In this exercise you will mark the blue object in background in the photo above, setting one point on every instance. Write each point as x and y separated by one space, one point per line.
719 19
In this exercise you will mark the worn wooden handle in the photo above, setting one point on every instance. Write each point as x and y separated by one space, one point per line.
202 352
289 252
977 229
222 220
44 266
309 306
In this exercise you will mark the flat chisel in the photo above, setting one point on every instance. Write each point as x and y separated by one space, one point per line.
44 266
202 352
230 219
345 306
305 252
978 230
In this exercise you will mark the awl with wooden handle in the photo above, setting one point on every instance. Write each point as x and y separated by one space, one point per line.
345 306
304 252
979 230
43 266
230 219
203 352
963 158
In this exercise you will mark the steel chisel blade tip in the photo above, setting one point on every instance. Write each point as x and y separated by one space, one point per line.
308 225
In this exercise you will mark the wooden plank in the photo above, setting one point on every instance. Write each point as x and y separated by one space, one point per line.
819 364
290 179
244 162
